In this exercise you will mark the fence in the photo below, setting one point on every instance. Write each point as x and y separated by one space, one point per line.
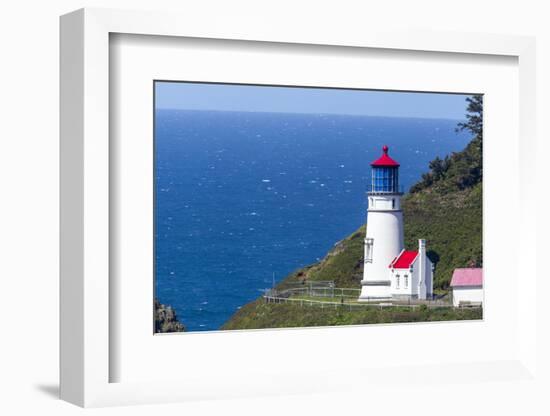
324 292
299 295
298 292
315 303
351 306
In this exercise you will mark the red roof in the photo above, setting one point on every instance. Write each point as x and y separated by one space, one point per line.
467 277
404 260
385 160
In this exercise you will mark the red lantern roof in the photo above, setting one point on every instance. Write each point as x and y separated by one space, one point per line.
404 260
385 160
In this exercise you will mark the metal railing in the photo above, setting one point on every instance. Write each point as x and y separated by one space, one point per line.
352 306
299 293
394 190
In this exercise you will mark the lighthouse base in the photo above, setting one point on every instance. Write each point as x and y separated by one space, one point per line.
375 290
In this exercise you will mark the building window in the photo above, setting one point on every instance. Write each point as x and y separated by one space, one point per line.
406 280
393 203
397 281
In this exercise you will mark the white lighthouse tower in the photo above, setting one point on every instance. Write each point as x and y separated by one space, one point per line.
384 237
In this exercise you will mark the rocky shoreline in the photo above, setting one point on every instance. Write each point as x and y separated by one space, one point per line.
166 319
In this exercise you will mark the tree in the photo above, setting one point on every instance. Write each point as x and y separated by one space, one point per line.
464 169
438 167
474 116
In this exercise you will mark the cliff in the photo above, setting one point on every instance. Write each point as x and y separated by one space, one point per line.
166 319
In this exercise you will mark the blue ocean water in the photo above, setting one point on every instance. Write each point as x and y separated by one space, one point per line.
241 196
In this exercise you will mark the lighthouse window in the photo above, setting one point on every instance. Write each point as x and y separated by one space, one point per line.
393 203
368 250
384 179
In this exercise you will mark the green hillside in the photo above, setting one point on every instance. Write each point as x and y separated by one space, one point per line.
444 207
258 314
451 223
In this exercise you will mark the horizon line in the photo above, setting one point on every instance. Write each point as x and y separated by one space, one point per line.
306 113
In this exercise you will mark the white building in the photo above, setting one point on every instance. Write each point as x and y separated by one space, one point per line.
384 242
411 274
467 286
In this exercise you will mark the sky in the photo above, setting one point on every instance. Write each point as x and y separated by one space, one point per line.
230 97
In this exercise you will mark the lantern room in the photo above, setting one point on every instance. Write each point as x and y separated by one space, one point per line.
385 174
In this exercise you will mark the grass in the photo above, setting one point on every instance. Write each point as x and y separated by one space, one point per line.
258 315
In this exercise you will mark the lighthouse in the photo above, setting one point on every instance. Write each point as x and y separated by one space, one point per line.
384 236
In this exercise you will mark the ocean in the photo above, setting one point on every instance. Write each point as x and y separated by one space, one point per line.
242 197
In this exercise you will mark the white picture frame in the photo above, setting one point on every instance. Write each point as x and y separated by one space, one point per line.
86 263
